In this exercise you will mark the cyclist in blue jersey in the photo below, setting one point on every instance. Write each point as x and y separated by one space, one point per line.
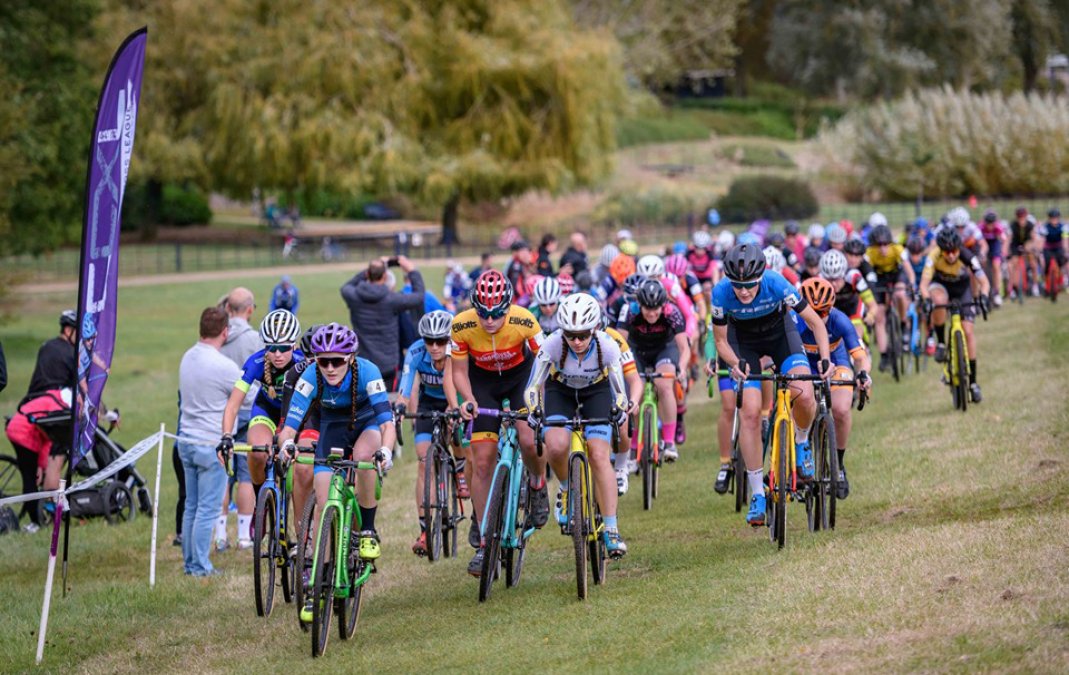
1052 233
847 357
428 359
749 310
279 331
545 298
354 414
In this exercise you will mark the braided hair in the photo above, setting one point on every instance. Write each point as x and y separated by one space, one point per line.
564 352
269 379
354 369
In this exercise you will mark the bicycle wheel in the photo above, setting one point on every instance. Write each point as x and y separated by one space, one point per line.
962 364
783 477
1053 279
302 561
284 551
432 511
10 477
264 544
598 551
323 579
832 456
894 340
348 608
578 519
450 507
514 556
495 531
646 460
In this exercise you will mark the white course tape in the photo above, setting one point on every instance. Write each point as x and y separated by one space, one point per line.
29 498
124 460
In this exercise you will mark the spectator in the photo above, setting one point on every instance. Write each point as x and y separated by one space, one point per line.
548 247
33 448
285 296
242 339
180 475
56 363
457 288
373 310
486 263
575 257
520 267
205 379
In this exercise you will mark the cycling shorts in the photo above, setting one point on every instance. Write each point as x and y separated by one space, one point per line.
425 427
651 359
334 432
784 347
264 416
596 399
490 389
724 383
961 293
886 282
1056 253
994 250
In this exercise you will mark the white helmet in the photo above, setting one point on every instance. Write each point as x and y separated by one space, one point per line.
436 324
774 258
609 252
702 239
877 219
958 216
651 267
280 327
816 231
623 234
725 240
833 264
836 233
579 312
547 291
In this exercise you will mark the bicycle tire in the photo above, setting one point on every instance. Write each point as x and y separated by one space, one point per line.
598 551
578 520
646 461
494 529
10 477
782 478
285 549
263 552
1053 279
833 471
304 527
432 501
515 556
323 579
894 339
962 364
348 609
1022 278
450 508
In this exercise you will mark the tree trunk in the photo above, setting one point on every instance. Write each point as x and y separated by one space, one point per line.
153 207
449 221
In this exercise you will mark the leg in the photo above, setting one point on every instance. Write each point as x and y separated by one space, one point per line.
603 476
666 405
484 456
26 460
190 515
180 505
212 479
881 327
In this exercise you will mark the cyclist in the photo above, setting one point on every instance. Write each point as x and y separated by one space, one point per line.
1053 234
308 433
749 322
457 287
889 261
917 251
546 296
428 359
948 275
847 356
817 235
625 297
491 349
836 236
810 263
701 258
280 330
994 234
622 267
608 254
775 261
779 241
971 237
354 415
567 283
852 294
655 329
623 461
582 366
793 241
1023 244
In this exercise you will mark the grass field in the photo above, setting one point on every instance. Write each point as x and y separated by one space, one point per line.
951 553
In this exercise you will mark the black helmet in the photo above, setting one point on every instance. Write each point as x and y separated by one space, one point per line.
68 319
948 239
745 262
652 294
990 216
854 246
632 282
306 339
881 236
775 239
915 245
791 227
1054 213
811 256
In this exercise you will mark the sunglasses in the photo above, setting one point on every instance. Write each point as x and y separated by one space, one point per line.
577 337
278 349
493 314
744 284
332 361
441 342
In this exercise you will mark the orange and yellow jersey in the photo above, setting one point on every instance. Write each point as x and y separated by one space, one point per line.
627 359
518 338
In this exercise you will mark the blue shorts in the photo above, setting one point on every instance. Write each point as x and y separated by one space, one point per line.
334 433
264 415
241 468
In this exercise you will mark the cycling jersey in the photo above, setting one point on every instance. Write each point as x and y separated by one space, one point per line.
992 231
694 286
702 262
955 276
627 359
557 360
1020 235
855 290
371 399
775 296
418 360
918 267
886 263
519 336
1052 234
269 398
842 339
682 301
547 323
647 337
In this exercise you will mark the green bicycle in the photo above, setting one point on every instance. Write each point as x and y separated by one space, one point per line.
649 437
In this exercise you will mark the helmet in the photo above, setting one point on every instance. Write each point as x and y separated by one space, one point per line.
915 245
334 337
530 282
958 216
881 235
546 291
745 262
774 258
854 246
436 324
679 247
280 327
1021 211
68 318
89 327
651 267
791 227
775 239
1054 213
833 264
811 256
651 294
621 268
748 238
702 239
306 339
877 219
584 281
629 247
632 282
725 240
990 216
836 233
609 253
579 312
948 239
492 292
819 293
816 231
677 265
623 234
920 224
567 283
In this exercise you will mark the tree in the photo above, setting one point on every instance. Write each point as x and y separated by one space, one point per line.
1034 33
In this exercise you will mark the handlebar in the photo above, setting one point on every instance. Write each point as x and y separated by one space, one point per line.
955 306
339 463
575 422
401 413
507 415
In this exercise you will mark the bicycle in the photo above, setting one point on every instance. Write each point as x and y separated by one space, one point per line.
1054 277
505 527
821 495
956 366
584 521
649 437
893 330
442 510
917 338
338 589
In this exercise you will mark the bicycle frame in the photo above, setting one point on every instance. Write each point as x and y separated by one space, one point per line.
508 458
649 402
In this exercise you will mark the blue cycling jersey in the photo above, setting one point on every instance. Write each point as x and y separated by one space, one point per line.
419 361
1052 234
775 296
370 395
842 338
269 397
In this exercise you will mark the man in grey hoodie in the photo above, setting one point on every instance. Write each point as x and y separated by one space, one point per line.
373 309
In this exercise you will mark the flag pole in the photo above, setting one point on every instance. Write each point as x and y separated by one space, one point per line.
61 510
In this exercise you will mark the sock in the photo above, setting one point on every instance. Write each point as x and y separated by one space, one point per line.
940 333
220 527
800 435
972 371
536 484
244 531
621 461
610 523
668 433
754 478
367 517
422 524
842 454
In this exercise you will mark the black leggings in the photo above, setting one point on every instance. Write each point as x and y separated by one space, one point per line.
27 463
180 506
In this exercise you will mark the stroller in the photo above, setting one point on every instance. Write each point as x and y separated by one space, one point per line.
116 498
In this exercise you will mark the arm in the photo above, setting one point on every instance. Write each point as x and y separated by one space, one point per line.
684 353
348 290
414 300
233 405
296 300
449 386
539 373
820 331
723 348
462 383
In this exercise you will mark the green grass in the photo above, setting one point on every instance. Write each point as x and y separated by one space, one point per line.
752 154
949 556
671 127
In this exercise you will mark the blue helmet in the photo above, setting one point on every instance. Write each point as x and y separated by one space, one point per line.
748 238
89 327
679 247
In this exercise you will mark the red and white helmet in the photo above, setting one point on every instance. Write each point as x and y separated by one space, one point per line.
492 293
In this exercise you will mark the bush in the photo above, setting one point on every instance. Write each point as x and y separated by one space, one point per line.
656 205
184 206
776 198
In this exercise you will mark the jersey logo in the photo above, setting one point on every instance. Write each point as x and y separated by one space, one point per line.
458 327
376 387
717 312
792 299
304 387
517 321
